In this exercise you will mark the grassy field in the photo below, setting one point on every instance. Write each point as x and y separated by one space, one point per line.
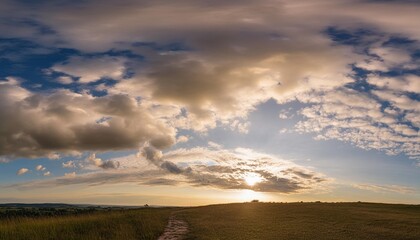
117 224
256 221
303 221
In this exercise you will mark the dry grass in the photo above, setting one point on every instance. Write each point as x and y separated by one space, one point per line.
124 224
254 221
303 221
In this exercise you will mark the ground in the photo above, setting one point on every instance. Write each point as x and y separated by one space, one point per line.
243 221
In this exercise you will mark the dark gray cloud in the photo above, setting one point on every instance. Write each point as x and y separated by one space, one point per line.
171 167
109 164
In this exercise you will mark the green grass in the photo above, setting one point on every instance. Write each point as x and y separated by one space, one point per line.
303 221
117 224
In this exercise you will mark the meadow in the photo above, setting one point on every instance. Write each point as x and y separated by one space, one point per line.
304 221
125 224
256 221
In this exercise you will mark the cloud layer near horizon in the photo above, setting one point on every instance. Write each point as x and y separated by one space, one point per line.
198 167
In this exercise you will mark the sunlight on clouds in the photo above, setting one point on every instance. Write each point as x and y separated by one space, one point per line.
22 171
165 78
229 169
252 178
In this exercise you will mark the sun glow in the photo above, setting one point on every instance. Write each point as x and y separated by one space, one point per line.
249 195
252 179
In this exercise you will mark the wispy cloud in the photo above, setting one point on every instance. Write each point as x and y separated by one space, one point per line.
201 167
363 120
385 188
71 174
88 70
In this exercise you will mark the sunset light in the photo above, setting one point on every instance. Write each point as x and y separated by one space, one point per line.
252 179
190 103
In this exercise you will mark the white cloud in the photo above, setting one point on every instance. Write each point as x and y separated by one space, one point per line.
90 69
214 145
65 80
53 156
182 139
69 164
70 175
407 83
386 58
109 164
286 113
357 118
48 173
22 171
40 168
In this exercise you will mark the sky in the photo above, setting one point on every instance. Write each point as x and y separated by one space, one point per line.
128 102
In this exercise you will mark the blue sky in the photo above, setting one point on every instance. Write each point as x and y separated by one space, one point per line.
200 102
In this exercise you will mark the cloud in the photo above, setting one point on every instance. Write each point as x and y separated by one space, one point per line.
65 80
70 175
386 58
22 171
53 156
182 139
405 83
156 157
68 122
69 164
285 114
48 173
385 188
363 120
90 69
109 164
201 167
232 56
195 65
214 145
40 168
228 169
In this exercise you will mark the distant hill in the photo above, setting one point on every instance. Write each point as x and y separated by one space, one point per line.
65 205
45 205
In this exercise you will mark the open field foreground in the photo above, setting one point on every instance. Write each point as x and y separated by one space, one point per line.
304 221
229 221
116 224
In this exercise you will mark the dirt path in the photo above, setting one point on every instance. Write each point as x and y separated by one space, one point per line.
175 230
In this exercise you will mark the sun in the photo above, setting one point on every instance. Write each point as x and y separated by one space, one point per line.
252 179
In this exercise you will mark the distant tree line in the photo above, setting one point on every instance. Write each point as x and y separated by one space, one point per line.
44 212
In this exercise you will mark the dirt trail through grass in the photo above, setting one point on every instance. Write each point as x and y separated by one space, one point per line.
175 230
